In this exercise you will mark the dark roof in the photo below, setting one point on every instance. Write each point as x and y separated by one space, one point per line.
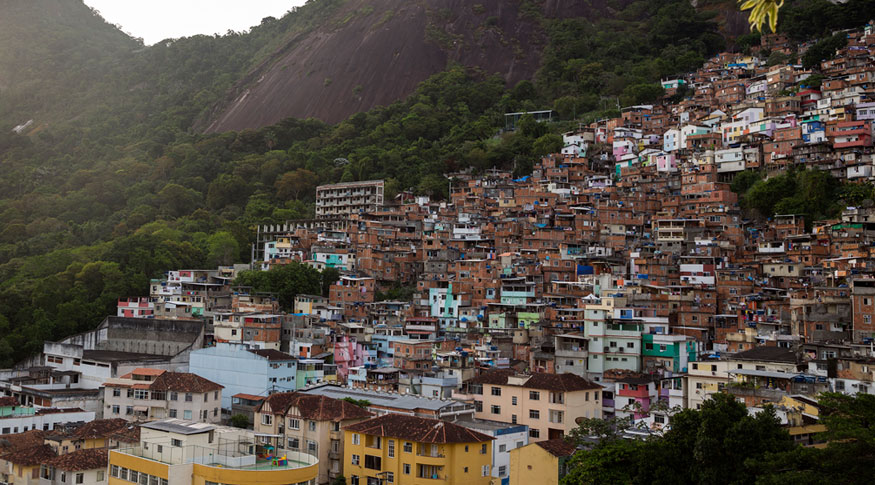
495 376
768 354
120 356
273 355
99 428
313 406
557 447
17 441
560 382
34 455
42 411
183 382
129 434
88 459
421 430
548 382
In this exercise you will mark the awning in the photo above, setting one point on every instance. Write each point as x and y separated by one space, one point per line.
141 409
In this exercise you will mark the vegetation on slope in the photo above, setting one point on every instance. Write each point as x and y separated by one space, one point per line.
110 187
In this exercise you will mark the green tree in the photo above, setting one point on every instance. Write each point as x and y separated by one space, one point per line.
240 421
298 184
223 249
547 144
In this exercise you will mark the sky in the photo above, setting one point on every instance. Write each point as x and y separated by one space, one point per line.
156 20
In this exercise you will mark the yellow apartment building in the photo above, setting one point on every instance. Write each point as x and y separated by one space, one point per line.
544 462
177 452
409 450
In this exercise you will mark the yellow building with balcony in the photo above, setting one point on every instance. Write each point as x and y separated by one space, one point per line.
401 449
177 452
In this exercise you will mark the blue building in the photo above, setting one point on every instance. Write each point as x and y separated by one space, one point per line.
241 369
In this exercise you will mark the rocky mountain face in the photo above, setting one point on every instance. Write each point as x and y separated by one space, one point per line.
373 52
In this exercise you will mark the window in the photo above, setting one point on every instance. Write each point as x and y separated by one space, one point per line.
496 409
295 443
144 479
485 471
188 397
101 475
513 418
312 447
534 414
175 442
502 470
116 392
294 423
373 462
408 447
407 468
391 449
113 471
513 400
502 448
534 433
123 474
172 413
129 410
483 449
312 425
115 409
355 460
390 477
534 395
496 391
266 419
354 480
186 415
141 394
356 439
478 406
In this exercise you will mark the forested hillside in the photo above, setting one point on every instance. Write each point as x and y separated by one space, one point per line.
112 185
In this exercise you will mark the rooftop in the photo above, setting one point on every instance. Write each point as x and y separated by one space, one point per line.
420 430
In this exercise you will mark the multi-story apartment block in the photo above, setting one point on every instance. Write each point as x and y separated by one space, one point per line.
147 394
242 369
549 404
342 200
309 423
394 448
179 452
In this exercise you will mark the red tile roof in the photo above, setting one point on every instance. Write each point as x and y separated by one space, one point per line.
17 441
543 381
99 428
143 371
34 455
309 406
79 460
251 397
129 434
557 447
420 430
183 382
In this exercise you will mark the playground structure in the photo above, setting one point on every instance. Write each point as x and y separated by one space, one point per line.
268 455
